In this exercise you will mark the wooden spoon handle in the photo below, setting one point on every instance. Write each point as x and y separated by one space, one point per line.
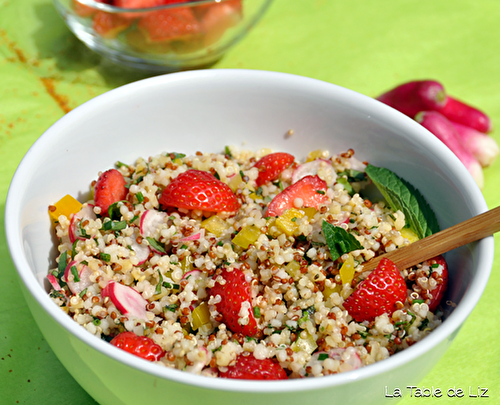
473 229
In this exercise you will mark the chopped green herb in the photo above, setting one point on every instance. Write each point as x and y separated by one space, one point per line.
227 152
114 210
96 321
73 249
184 247
418 301
346 184
74 271
156 245
171 308
339 241
105 257
120 164
320 191
435 265
294 219
216 175
114 225
256 312
323 356
63 262
175 155
82 294
139 197
160 281
424 324
401 195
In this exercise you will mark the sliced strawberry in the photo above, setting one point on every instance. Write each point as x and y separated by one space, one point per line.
109 25
271 166
169 24
234 291
141 346
199 190
377 294
247 367
311 191
441 276
110 188
144 3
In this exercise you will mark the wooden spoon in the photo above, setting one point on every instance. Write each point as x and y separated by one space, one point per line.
471 230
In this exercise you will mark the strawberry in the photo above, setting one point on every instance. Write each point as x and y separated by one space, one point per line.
234 290
247 367
438 292
378 293
310 189
144 3
169 24
271 166
199 190
109 25
141 346
110 188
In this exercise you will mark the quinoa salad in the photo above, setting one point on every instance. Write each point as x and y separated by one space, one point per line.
217 259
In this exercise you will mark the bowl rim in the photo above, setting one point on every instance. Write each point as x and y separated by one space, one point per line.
114 9
449 326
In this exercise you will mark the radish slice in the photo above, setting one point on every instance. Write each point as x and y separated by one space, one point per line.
141 251
357 164
351 361
84 273
323 168
53 281
192 273
127 300
151 220
87 212
194 236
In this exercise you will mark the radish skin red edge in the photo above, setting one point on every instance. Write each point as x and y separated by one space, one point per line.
76 287
87 212
462 113
481 145
444 130
415 96
127 300
53 281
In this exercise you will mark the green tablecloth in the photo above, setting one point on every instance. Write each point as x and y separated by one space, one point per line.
366 46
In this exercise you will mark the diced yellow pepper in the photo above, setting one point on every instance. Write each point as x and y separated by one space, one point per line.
310 212
286 222
235 181
347 270
186 264
215 225
307 344
248 235
315 154
177 161
65 206
330 290
409 234
200 316
293 269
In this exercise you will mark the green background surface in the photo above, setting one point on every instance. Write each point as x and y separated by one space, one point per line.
367 46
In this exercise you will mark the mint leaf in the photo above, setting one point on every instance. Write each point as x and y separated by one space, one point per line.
401 195
339 241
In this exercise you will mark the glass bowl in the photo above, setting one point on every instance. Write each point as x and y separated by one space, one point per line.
174 35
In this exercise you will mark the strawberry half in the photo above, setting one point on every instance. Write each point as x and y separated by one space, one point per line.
234 290
310 189
438 292
378 293
110 188
271 166
199 190
247 367
141 346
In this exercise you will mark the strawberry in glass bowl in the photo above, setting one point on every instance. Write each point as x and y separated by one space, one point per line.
161 35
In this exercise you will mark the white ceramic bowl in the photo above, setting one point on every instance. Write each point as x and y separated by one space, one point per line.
206 110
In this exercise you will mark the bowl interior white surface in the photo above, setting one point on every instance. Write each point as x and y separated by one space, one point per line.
206 110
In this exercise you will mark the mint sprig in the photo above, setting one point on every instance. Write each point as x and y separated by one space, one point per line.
338 240
401 195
